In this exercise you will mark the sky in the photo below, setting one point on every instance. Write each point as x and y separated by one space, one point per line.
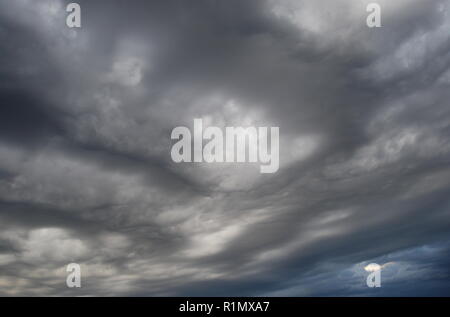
86 174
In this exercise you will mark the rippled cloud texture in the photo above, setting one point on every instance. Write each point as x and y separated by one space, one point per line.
86 174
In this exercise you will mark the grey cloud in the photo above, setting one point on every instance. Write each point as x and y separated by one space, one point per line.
86 174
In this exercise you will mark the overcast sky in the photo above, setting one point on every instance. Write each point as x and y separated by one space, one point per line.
86 174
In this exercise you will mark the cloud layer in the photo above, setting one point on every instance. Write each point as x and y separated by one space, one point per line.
86 174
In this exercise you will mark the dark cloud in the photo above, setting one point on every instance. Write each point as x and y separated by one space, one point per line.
86 174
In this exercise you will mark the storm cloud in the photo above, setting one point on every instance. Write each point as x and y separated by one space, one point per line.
86 174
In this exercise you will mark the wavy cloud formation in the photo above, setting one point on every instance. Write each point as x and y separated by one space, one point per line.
86 174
